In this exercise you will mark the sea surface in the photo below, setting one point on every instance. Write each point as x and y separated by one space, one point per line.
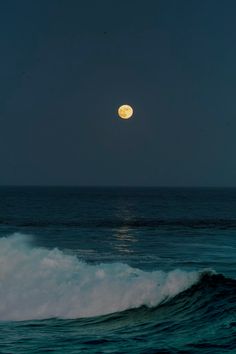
117 270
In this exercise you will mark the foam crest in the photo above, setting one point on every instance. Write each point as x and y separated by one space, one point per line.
37 283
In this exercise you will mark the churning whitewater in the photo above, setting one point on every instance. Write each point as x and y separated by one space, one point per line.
39 283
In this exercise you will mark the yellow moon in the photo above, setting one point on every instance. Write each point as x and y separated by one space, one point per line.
125 111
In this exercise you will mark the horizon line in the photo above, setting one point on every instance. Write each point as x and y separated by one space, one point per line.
113 186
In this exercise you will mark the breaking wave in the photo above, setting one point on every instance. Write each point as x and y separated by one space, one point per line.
38 283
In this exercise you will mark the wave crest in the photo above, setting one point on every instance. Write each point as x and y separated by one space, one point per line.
38 283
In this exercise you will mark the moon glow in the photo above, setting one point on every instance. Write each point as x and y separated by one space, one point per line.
125 111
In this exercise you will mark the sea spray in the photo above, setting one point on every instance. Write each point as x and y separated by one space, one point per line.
38 283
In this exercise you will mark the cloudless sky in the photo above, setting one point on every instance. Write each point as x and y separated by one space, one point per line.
66 66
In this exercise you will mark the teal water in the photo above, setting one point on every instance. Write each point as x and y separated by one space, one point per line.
117 270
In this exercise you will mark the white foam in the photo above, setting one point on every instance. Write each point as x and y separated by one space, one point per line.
37 283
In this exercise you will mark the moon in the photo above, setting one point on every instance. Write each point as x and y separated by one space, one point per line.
125 111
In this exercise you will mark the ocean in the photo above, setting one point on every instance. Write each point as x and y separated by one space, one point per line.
117 270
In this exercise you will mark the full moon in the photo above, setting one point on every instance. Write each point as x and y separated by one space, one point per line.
125 111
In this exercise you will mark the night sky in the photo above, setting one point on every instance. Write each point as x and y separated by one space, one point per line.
66 66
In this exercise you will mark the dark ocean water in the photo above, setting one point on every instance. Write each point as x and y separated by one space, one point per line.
117 270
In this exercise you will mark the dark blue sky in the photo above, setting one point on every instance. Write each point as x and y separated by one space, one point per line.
66 66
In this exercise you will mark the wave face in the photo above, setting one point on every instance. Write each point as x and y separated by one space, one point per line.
38 283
